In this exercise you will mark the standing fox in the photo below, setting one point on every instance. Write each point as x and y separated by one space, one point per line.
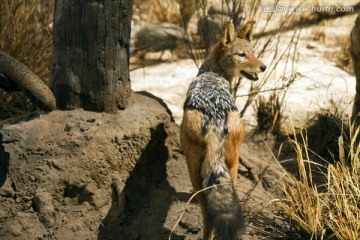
212 130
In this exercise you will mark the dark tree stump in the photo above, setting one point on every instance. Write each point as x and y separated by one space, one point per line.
355 54
91 54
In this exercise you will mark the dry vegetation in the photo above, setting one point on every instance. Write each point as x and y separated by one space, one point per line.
268 114
173 11
323 132
330 210
25 27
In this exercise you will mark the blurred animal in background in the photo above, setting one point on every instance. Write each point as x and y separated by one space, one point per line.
156 37
211 23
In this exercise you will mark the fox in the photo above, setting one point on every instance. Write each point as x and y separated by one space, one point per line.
212 131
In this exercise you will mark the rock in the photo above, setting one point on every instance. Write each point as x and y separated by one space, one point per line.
6 189
3 213
43 204
190 222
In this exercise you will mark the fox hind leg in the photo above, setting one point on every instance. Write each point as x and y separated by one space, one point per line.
194 162
194 151
233 142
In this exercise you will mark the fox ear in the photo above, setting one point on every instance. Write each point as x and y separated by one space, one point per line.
246 31
228 34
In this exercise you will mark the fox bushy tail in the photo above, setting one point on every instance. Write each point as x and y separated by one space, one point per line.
223 207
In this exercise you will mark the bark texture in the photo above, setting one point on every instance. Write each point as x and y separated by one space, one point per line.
91 46
355 54
27 80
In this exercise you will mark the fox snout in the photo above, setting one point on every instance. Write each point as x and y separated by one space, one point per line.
263 68
251 72
250 67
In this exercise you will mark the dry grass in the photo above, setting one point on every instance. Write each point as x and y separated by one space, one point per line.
27 33
268 113
324 131
344 195
25 27
173 11
333 212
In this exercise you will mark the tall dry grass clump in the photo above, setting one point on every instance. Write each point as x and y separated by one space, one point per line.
269 114
26 30
173 11
334 211
26 34
344 192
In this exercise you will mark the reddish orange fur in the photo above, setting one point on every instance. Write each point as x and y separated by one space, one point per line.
192 142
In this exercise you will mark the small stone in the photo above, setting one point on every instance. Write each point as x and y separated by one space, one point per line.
28 205
88 137
26 198
32 178
43 203
16 229
55 164
91 228
83 128
6 189
3 213
67 128
190 223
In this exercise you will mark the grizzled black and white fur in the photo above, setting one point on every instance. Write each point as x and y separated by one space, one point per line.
210 94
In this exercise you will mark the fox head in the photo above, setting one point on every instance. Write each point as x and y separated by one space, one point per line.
234 55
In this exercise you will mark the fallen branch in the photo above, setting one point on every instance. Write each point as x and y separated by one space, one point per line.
27 80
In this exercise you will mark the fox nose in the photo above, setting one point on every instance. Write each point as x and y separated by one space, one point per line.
263 68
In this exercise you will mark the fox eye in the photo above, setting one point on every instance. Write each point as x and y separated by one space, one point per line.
242 54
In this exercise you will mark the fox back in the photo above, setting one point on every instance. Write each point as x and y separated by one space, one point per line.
210 94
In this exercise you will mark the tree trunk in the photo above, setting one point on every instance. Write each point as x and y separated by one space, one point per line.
355 54
91 54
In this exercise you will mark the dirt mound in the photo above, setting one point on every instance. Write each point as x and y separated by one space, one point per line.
85 175
59 169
